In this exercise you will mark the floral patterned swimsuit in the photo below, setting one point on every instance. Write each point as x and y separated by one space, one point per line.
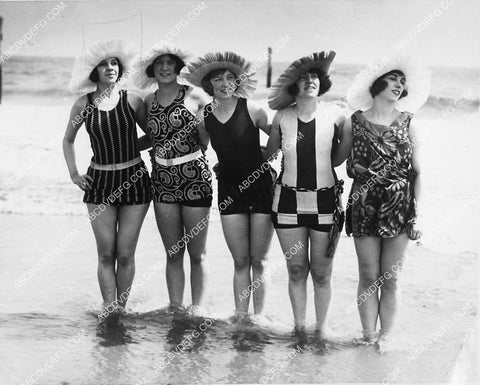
381 201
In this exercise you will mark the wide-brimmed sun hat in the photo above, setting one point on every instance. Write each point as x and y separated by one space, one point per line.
84 64
197 69
140 77
417 83
279 97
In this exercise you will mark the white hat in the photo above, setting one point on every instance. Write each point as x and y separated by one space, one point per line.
417 83
140 78
239 66
279 97
123 50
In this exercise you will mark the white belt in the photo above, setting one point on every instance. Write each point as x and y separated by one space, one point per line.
116 166
179 160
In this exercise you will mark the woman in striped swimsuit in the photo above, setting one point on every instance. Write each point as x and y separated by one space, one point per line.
181 178
116 185
306 205
233 124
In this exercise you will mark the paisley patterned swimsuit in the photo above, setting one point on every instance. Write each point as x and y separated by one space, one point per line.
175 138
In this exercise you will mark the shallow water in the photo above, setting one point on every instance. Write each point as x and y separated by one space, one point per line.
47 325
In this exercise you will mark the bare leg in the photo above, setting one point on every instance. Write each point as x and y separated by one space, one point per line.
321 271
169 222
236 232
393 256
368 254
298 268
130 220
105 229
261 232
192 218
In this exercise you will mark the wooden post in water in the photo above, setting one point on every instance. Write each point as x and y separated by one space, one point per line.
1 37
269 68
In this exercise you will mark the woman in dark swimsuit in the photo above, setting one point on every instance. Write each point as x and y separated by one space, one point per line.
245 180
117 185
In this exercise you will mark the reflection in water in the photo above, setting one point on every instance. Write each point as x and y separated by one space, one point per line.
112 332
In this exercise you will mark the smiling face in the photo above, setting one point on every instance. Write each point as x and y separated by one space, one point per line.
108 70
395 86
223 85
308 85
164 69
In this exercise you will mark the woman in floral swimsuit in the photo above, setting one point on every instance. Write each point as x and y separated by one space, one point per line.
383 162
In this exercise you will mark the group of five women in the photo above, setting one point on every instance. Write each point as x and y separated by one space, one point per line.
303 204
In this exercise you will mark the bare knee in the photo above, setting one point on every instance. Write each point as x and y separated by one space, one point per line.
390 284
367 278
197 258
125 259
258 264
320 276
241 263
106 257
298 273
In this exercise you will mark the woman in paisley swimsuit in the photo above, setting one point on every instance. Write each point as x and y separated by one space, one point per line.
383 201
116 185
233 124
181 178
306 210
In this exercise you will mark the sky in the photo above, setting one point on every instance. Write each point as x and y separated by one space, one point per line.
440 33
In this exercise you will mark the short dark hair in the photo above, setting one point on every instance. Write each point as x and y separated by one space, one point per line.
380 84
325 84
179 64
94 74
207 85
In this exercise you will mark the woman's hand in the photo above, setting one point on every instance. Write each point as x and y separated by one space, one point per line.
414 231
83 181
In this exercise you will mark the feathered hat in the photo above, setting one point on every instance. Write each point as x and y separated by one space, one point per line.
417 83
241 68
279 97
84 64
140 78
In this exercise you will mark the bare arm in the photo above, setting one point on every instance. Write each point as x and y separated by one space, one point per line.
144 142
259 116
274 140
204 136
200 96
344 145
74 123
416 232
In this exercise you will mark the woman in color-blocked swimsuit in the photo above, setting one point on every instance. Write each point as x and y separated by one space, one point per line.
306 211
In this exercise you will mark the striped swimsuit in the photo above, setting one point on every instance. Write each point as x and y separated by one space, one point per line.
113 138
307 192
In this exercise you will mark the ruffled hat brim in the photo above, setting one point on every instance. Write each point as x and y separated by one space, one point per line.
417 83
239 66
279 97
93 55
140 78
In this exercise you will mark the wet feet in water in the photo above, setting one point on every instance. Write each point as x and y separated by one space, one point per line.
300 335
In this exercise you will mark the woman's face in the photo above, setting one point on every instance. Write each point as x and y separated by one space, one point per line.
164 69
108 70
308 85
395 86
223 85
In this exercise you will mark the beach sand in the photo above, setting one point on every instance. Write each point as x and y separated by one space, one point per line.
41 209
